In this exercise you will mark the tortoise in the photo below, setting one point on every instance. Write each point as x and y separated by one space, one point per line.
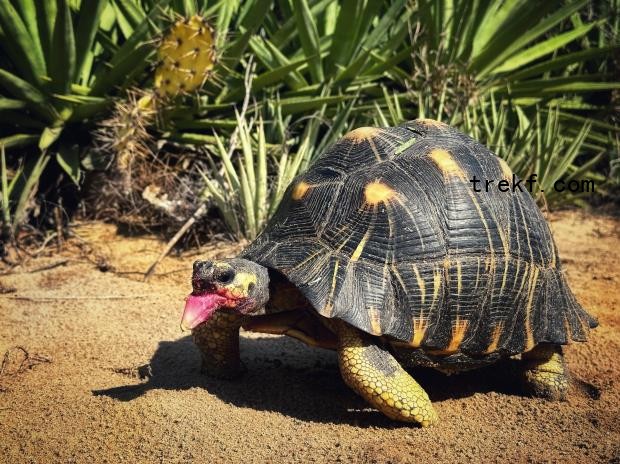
385 252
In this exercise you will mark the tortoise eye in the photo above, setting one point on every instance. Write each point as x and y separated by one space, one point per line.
226 276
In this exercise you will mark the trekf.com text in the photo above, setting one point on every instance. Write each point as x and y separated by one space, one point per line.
504 185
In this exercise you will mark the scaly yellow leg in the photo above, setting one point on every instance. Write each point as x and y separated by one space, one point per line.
218 341
544 372
374 374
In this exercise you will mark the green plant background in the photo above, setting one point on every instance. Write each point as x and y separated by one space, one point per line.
535 81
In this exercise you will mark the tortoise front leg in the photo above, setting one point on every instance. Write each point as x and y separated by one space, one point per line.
218 341
544 372
374 374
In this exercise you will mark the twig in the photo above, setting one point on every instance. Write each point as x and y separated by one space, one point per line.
58 220
32 360
182 269
161 274
202 210
47 267
67 298
48 239
4 290
189 223
10 268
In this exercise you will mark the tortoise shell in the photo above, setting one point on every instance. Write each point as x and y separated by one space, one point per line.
386 232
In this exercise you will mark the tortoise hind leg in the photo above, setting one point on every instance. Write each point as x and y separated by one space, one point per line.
544 372
374 374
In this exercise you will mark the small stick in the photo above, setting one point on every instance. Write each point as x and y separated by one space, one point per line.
183 269
4 290
47 267
66 298
9 271
58 220
34 359
189 223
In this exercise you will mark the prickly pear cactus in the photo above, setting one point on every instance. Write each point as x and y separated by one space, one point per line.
187 55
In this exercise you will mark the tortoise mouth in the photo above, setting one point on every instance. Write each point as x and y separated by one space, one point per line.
201 286
199 308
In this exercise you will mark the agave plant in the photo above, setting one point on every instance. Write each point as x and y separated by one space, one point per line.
501 47
57 73
60 66
66 63
543 145
528 53
247 182
476 65
312 54
317 53
458 61
522 77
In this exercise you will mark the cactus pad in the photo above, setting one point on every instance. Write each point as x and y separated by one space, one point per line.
187 55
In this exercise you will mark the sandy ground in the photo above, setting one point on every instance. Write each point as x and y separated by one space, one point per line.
97 370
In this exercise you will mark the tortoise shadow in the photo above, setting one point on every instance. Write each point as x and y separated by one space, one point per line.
288 377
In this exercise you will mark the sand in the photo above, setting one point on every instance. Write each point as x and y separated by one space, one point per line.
97 370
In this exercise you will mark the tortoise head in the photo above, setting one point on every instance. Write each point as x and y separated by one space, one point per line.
237 286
